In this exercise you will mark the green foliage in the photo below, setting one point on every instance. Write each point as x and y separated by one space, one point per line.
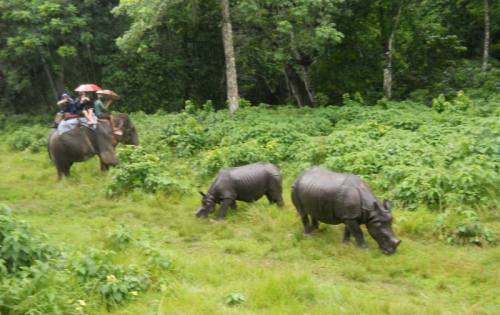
141 170
97 272
19 246
464 228
28 138
411 153
234 299
460 103
119 238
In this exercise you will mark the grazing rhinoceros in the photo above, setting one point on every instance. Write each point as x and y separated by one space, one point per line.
246 183
335 198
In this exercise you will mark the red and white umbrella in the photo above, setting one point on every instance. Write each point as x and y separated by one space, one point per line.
109 94
89 87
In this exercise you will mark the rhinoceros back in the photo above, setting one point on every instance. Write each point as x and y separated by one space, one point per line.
248 182
332 197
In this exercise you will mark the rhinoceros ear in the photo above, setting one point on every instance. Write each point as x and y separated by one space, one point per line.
202 194
387 205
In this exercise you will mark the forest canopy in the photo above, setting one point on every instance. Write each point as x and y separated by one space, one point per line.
160 53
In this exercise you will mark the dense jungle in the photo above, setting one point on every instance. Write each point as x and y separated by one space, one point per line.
404 94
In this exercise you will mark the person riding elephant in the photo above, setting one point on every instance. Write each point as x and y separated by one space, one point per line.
66 106
82 143
84 106
102 111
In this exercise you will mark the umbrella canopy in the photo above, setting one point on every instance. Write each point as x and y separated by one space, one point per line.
109 94
90 87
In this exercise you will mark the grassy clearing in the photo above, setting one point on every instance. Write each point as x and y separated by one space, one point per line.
259 251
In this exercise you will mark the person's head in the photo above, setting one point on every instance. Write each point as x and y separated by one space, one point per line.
82 94
65 96
99 96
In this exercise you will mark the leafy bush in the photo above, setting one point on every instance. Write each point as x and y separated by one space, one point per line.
96 272
32 138
234 299
119 238
19 246
464 228
141 170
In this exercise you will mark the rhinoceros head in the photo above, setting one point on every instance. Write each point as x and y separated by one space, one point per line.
207 205
380 228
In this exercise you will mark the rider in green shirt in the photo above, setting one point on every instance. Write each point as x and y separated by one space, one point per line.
99 108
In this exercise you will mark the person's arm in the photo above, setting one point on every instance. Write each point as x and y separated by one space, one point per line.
108 104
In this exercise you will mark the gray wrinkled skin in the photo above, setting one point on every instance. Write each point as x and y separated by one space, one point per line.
334 198
81 144
245 183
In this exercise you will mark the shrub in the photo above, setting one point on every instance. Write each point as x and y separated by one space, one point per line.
141 170
119 238
32 138
464 228
96 271
19 246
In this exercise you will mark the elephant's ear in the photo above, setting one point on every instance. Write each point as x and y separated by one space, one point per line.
202 194
387 205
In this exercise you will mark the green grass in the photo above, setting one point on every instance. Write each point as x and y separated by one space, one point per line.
259 251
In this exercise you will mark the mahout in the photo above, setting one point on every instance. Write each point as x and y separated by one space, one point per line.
244 183
320 195
82 143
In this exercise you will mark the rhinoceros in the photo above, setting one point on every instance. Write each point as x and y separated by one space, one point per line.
245 183
335 198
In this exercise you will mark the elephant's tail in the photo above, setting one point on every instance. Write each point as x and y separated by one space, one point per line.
48 147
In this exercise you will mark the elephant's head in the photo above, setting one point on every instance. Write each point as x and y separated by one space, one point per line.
106 149
129 133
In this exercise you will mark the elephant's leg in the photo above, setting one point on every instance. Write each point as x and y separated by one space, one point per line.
314 224
355 229
63 170
104 166
233 205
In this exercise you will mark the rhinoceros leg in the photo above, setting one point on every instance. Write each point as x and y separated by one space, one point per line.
274 197
305 222
355 229
226 203
275 191
347 235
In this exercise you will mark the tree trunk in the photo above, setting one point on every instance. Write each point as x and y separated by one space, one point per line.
227 38
388 55
486 45
49 77
291 79
308 86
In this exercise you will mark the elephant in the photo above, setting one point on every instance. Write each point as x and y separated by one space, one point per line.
82 143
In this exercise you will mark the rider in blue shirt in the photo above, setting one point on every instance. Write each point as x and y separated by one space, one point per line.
67 104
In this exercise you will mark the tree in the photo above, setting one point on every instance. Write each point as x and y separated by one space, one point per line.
37 39
231 76
292 35
389 23
486 40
